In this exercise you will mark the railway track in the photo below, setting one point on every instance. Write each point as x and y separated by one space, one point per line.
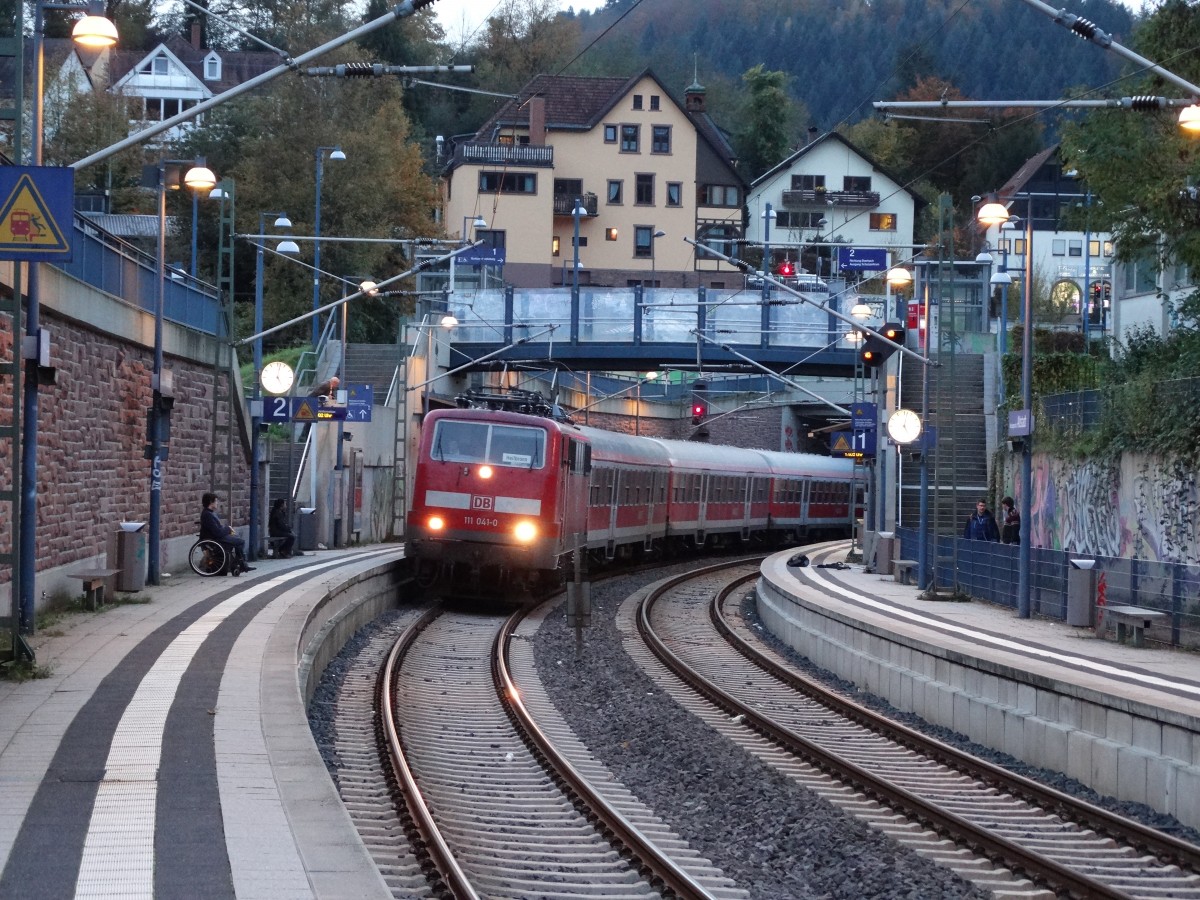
997 829
506 806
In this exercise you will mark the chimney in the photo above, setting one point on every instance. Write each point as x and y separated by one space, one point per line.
195 35
537 121
812 133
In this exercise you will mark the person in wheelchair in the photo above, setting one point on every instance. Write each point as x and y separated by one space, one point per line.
213 529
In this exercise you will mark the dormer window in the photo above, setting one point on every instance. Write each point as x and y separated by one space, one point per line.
212 67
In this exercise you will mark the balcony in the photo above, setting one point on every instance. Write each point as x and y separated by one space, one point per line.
814 197
504 155
564 204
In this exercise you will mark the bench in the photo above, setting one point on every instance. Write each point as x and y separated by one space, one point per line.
1131 619
905 571
94 582
273 545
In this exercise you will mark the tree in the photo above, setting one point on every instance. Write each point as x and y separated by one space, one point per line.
765 136
1141 167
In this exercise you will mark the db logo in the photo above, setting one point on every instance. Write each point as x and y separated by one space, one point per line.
481 502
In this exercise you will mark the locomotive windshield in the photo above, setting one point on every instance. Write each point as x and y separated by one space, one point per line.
480 442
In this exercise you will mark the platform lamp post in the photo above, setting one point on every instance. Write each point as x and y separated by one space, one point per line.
169 174
335 153
93 30
995 213
576 212
899 277
1002 279
285 246
861 311
366 286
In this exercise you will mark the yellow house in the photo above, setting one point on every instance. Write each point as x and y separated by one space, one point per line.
646 172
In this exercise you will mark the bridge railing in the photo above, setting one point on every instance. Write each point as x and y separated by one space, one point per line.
666 315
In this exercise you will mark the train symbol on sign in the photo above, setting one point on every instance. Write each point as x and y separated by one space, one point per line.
25 224
481 502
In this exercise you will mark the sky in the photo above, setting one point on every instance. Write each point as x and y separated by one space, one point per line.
459 17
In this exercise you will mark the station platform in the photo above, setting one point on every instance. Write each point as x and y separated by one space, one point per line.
165 751
1121 719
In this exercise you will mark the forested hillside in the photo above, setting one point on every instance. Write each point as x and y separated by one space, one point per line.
841 56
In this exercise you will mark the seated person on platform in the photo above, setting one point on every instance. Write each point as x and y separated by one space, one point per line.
213 529
278 526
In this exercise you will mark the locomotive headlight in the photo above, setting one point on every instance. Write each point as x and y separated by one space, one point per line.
525 531
485 471
436 523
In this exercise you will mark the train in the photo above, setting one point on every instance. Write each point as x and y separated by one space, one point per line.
507 490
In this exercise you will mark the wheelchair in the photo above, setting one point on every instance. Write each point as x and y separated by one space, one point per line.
208 557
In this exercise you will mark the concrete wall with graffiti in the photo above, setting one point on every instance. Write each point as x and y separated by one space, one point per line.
1140 506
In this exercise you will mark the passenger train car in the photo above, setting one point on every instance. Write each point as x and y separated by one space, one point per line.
504 498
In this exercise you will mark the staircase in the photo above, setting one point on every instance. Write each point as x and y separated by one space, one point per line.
373 364
959 407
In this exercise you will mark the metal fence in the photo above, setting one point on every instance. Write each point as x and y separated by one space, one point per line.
1074 412
988 571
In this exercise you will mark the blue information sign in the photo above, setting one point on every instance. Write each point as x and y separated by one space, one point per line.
862 259
852 444
481 256
359 400
277 409
863 416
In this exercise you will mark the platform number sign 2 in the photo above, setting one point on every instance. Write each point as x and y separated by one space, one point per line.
276 409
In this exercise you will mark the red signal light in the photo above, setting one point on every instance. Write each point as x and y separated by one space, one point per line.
786 269
699 411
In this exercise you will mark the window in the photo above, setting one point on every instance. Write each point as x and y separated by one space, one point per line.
630 138
644 190
643 241
637 101
555 245
568 187
808 182
719 195
654 102
507 183
212 67
492 238
610 234
860 183
784 219
1108 248
160 65
1058 247
1075 248
720 236
660 139
1094 248
614 192
610 134
674 193
883 222
477 442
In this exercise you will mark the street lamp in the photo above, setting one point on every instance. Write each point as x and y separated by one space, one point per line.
93 30
366 287
286 246
167 176
654 236
337 154
997 214
578 211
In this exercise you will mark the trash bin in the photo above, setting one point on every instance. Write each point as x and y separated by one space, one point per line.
127 552
1081 593
308 528
885 553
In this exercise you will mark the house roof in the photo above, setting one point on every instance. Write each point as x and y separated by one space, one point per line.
833 135
129 225
1030 168
580 103
236 66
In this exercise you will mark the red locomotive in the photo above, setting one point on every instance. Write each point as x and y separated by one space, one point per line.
502 498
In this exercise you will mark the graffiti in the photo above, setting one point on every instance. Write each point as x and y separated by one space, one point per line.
1165 510
1142 507
1086 514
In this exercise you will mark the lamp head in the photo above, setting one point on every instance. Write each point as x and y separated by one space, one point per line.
282 221
659 234
992 213
288 246
200 178
861 311
480 222
337 154
899 276
984 258
449 320
94 31
1189 118
1001 278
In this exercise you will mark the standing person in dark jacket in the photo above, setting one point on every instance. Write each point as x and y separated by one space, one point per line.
213 529
1010 522
982 525
279 527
